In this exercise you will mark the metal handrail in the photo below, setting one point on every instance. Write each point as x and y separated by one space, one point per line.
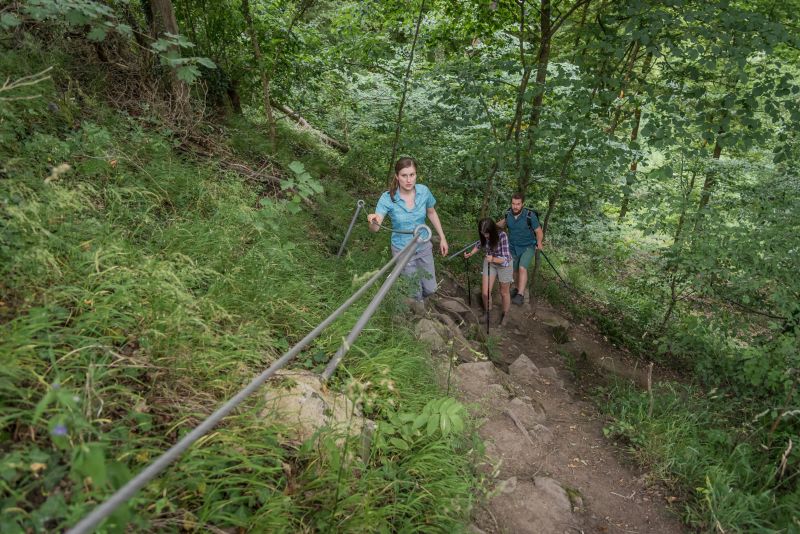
404 256
123 494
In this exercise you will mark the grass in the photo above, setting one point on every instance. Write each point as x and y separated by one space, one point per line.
725 471
140 289
725 441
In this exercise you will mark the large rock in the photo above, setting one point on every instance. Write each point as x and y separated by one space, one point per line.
300 401
452 304
540 506
481 382
552 319
523 370
431 332
526 413
517 451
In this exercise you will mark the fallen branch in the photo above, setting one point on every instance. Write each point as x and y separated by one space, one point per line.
292 114
25 81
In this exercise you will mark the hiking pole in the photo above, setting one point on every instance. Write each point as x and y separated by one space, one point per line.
359 205
554 269
451 256
469 284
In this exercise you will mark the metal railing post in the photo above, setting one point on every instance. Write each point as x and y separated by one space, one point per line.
359 206
405 256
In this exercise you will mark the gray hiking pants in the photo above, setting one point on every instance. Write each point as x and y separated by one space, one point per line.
421 270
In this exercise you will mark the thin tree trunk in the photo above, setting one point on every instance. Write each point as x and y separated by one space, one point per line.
625 80
637 119
487 192
399 123
163 17
710 182
542 60
626 194
265 81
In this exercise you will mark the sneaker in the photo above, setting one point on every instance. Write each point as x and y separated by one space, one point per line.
485 318
504 320
514 292
518 299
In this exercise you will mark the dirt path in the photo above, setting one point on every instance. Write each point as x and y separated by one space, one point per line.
552 469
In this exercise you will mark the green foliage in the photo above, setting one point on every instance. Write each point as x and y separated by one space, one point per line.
302 185
139 291
730 476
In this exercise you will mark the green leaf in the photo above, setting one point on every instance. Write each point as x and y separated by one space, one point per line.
399 443
89 460
207 63
444 424
420 421
188 74
297 167
433 424
97 34
9 20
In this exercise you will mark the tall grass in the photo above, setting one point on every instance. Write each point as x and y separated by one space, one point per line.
139 290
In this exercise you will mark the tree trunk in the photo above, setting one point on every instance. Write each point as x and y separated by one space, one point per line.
265 81
399 123
626 194
542 60
487 192
637 119
710 181
163 21
292 114
623 87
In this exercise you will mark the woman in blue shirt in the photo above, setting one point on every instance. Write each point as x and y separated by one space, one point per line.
408 203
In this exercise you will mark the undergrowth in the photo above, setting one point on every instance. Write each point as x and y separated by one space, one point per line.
140 289
725 441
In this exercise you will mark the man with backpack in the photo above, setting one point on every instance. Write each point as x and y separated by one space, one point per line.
525 237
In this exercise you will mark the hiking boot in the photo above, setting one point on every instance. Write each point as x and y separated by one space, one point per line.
505 320
485 318
514 292
518 299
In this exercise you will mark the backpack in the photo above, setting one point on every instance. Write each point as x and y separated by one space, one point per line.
528 213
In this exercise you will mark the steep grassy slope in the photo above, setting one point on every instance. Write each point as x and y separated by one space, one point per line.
142 287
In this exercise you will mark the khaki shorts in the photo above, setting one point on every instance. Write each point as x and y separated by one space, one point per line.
504 274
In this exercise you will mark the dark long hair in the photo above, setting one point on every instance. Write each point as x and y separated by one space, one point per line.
401 164
487 226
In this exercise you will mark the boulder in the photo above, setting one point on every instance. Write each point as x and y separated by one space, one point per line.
552 319
432 333
523 370
538 506
526 413
480 382
300 401
452 304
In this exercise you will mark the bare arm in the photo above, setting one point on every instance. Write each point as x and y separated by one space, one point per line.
437 225
539 237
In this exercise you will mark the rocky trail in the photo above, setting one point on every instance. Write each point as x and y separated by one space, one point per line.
550 467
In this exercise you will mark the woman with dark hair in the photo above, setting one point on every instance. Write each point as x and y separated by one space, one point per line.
496 264
408 203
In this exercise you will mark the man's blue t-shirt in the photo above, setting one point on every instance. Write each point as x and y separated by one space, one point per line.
520 235
402 217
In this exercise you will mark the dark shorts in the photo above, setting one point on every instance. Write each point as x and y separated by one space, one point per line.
525 259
